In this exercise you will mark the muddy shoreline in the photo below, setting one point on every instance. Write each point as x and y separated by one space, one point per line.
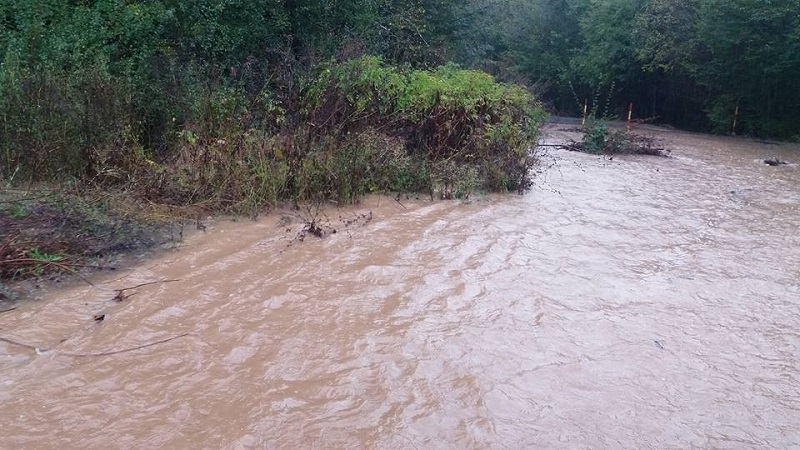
48 235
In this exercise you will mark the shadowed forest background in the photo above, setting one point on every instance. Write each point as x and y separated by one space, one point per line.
98 88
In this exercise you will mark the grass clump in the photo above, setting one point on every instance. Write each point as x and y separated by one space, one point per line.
63 230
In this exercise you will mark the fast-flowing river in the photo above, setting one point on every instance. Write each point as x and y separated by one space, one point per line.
638 302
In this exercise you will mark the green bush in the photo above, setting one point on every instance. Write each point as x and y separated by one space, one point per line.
357 127
444 115
595 136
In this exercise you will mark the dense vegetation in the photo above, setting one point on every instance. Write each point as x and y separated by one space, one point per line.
137 107
690 63
242 104
265 91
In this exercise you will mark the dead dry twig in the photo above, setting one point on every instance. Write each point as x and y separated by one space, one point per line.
41 351
121 296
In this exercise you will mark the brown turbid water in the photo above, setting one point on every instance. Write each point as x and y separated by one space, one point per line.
636 303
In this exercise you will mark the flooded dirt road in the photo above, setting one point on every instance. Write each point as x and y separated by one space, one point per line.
636 303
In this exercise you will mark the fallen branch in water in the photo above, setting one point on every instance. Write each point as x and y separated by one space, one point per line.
40 351
93 266
121 292
774 161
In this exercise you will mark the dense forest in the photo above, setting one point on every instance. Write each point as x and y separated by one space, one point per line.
690 63
88 87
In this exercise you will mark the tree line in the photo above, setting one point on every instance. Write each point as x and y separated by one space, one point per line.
239 104
690 63
86 73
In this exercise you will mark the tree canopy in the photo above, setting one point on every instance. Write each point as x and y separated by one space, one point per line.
691 63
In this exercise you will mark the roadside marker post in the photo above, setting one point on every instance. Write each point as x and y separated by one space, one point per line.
630 115
585 104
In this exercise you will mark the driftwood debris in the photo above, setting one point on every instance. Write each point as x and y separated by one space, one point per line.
42 351
121 295
774 161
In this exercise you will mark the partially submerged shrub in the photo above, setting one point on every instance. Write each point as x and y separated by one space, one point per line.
599 139
595 136
625 142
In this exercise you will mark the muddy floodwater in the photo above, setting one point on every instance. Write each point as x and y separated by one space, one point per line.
639 302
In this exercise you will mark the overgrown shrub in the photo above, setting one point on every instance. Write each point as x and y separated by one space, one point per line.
446 115
55 124
354 127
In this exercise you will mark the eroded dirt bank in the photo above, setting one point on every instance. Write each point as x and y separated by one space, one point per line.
633 303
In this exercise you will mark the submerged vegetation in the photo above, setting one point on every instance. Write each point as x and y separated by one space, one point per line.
64 228
599 138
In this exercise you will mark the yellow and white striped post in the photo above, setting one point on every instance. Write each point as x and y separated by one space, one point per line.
585 104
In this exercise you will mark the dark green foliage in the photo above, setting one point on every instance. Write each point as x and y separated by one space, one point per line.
748 54
595 136
608 55
661 31
109 89
686 62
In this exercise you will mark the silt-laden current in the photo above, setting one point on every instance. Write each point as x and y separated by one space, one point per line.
635 303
